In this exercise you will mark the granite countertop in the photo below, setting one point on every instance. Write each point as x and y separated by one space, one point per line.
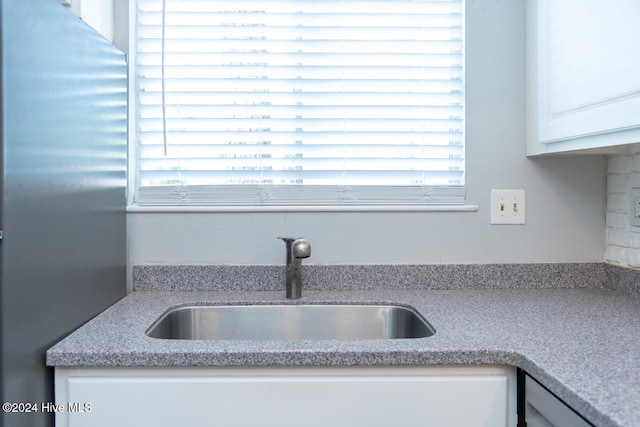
581 343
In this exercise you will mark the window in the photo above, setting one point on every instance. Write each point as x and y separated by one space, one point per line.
299 102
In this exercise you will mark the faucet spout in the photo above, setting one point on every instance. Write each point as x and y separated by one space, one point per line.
297 249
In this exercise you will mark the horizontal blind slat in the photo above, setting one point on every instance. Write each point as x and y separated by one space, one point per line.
311 139
293 176
246 59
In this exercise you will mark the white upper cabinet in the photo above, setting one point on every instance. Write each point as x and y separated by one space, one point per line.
583 75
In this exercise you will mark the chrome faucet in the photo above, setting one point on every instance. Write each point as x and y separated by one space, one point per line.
296 250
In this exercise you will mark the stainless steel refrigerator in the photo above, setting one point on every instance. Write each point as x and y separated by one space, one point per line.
63 160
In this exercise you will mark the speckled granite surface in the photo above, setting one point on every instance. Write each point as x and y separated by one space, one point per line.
359 277
581 343
623 279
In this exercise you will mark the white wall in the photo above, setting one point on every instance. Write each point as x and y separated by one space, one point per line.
565 198
99 14
623 238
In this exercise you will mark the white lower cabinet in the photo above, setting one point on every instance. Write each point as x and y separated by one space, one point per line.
372 396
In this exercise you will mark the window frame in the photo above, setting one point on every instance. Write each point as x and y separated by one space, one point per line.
134 206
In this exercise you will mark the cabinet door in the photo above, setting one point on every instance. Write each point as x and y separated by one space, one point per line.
583 74
294 397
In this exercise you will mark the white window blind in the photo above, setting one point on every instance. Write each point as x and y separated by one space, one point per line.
299 102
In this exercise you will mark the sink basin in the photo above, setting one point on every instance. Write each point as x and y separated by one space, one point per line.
291 322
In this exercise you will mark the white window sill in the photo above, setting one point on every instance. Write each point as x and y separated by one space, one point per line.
328 208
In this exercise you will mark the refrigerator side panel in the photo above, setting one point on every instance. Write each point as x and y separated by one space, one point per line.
64 196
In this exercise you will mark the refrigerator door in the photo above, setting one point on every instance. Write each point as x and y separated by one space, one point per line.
63 253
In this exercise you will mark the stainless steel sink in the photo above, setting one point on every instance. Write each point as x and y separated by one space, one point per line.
291 322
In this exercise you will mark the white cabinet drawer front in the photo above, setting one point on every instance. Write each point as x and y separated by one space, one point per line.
310 400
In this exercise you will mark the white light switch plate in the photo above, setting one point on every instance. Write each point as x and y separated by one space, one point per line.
507 207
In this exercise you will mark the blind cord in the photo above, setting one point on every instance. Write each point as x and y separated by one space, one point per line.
162 77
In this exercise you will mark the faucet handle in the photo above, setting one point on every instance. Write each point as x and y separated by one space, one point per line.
297 247
301 248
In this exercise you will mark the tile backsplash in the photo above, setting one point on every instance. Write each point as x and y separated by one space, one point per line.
622 237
